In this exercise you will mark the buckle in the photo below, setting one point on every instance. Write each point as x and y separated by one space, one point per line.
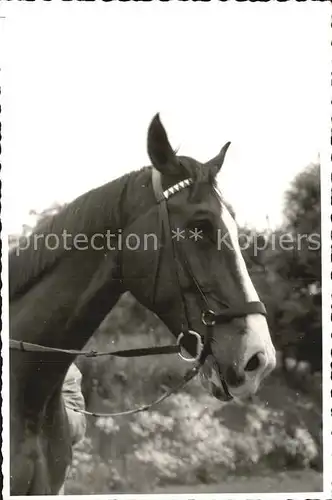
208 318
199 346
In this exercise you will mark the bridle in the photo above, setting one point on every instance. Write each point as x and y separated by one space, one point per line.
209 318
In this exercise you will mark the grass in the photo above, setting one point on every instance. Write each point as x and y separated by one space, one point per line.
271 482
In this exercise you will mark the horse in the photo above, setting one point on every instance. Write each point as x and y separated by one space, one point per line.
164 234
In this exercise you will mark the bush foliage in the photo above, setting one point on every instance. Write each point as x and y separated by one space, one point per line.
192 439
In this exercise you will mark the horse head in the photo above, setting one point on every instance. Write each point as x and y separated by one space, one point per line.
189 270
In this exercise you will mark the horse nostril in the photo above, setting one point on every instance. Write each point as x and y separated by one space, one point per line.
233 377
253 363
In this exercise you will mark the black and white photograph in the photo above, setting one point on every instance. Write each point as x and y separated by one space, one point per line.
166 249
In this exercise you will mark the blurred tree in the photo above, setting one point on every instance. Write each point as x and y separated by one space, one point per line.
47 213
36 217
302 266
287 270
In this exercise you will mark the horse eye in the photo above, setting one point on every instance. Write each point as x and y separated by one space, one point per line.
202 229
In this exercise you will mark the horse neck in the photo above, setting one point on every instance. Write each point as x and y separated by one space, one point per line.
66 304
62 308
65 318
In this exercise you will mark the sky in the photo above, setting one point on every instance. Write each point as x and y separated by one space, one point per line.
81 82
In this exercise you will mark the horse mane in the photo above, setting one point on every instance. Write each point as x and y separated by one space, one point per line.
89 213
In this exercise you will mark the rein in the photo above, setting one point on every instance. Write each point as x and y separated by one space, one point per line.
189 375
126 353
208 317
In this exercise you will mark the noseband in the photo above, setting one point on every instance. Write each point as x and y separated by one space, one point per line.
209 317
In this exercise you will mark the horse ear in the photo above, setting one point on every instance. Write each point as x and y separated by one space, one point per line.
216 163
160 151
